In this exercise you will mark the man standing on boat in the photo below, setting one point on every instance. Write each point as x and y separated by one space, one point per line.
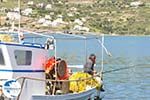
89 66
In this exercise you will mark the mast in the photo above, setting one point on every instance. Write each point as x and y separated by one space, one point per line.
19 21
102 62
85 50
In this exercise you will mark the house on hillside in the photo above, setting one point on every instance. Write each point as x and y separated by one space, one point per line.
81 1
136 4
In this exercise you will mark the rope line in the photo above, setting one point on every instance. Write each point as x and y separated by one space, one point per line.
123 68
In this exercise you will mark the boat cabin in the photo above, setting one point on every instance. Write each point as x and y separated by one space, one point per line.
23 60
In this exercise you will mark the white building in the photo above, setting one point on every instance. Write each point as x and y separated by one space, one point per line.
136 4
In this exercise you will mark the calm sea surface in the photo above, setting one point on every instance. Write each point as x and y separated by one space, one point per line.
133 83
132 53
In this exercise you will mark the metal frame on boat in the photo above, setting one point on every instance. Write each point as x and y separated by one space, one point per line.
33 80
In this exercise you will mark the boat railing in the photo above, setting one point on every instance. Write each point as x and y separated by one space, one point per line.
50 80
55 81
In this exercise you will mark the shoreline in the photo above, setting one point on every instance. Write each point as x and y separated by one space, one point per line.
8 29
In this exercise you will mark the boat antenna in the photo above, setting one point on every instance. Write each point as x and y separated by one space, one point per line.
102 63
85 50
102 52
19 21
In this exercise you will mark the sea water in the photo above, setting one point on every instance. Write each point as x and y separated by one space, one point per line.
132 83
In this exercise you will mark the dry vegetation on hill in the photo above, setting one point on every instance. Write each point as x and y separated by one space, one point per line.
123 17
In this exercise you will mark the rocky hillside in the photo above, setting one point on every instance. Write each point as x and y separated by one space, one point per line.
122 17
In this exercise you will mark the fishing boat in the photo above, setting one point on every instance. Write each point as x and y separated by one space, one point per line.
24 76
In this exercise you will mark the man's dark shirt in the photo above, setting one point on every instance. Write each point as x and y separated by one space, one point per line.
89 67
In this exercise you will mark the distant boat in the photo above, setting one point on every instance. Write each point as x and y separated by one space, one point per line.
25 63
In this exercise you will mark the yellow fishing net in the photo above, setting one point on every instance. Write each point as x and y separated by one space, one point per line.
6 38
82 85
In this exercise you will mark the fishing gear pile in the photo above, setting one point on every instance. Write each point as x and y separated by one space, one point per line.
6 38
85 82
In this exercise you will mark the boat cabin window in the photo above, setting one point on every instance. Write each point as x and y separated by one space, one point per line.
23 57
1 58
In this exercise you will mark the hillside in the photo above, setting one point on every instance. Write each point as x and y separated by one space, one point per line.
122 17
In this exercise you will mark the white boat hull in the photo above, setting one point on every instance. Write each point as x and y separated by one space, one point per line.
76 96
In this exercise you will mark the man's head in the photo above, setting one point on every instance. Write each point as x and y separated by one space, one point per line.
92 57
